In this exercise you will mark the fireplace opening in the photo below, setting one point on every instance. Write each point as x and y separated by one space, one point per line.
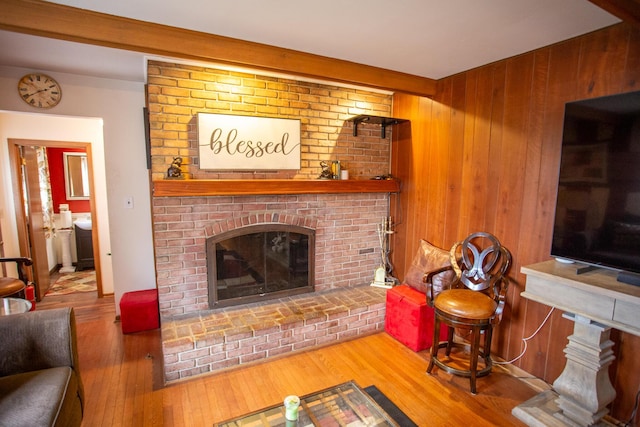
259 262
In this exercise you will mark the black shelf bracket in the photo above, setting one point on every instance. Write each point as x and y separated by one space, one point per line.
382 121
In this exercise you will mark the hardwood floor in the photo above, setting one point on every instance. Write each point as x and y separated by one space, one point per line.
123 380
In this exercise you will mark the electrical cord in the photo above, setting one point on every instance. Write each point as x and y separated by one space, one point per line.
524 340
634 412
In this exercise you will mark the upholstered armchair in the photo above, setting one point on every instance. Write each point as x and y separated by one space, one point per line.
40 381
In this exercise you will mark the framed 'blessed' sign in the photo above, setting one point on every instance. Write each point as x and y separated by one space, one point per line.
228 142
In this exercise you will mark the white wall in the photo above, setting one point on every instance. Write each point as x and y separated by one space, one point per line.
107 113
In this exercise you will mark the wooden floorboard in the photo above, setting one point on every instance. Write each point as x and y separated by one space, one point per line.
122 376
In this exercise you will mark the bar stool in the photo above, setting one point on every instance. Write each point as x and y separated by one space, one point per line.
10 286
474 301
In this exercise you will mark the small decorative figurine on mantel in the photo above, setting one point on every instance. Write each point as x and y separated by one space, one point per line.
326 172
174 171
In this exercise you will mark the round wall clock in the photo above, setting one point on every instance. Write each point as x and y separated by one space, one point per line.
39 90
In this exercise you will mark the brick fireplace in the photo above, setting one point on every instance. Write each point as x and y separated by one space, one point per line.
197 339
346 247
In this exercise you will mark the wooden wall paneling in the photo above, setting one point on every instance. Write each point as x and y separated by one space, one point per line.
467 160
626 379
627 10
477 161
600 71
401 137
601 68
610 53
402 162
546 358
528 249
510 189
456 158
436 191
564 80
496 162
509 178
439 126
402 165
421 168
497 167
523 137
632 66
414 202
420 207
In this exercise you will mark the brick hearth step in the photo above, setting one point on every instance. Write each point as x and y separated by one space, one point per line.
217 339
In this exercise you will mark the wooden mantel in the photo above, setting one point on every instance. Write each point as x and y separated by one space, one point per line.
248 187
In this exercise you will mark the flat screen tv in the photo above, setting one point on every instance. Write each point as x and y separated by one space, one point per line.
597 220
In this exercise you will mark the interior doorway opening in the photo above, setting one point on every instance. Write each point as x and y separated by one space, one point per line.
35 231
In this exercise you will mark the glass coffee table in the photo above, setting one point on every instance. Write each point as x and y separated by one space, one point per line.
343 405
14 306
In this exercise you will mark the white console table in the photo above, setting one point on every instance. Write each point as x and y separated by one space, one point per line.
596 302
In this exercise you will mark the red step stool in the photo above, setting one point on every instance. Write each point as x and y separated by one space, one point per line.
139 311
409 319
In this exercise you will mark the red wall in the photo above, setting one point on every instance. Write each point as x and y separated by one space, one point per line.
56 174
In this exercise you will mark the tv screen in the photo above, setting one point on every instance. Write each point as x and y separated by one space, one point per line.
597 218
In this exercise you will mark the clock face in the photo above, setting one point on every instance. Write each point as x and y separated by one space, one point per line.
39 90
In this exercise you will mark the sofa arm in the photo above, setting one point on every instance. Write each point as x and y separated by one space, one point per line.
38 340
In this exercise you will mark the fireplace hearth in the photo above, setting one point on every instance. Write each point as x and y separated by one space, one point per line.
259 262
341 258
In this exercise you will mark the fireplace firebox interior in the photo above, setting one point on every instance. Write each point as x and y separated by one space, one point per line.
259 262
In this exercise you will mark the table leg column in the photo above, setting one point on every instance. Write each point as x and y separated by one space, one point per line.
584 387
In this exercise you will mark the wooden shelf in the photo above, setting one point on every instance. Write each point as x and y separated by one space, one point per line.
247 187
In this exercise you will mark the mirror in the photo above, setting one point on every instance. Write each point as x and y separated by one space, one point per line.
76 176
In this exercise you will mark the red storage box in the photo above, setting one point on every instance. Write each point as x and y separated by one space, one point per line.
139 311
409 319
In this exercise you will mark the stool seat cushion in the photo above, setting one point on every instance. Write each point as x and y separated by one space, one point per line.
466 303
9 286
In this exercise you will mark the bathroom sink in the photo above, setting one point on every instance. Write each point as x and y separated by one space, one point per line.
84 224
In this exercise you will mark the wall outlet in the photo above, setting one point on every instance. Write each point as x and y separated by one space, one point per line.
128 202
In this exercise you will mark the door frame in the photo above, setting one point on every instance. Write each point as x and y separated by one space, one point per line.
16 178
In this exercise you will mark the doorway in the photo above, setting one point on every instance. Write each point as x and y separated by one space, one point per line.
32 230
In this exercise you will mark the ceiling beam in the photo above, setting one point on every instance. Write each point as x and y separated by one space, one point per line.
627 10
78 25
